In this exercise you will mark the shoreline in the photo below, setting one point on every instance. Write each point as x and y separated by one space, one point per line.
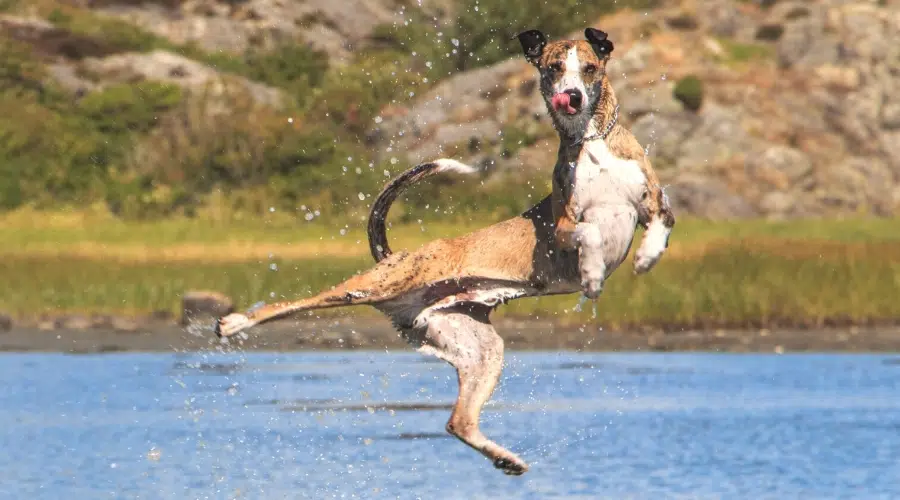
377 334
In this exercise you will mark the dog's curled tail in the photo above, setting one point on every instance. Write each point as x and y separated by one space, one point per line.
377 229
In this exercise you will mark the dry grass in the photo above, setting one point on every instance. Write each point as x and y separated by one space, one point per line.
725 273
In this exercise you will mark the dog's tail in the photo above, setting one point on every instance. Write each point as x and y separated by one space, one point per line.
377 230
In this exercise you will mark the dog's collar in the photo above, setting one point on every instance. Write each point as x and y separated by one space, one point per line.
606 130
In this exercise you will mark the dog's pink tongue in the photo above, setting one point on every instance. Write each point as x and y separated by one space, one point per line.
561 101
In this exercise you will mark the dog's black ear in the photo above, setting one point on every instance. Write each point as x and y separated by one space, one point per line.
602 47
533 42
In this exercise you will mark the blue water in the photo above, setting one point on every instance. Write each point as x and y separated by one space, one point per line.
591 426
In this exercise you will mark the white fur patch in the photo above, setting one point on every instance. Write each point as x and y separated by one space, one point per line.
602 177
450 165
652 246
571 78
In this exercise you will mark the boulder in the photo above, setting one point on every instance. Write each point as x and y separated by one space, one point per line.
202 305
664 135
707 197
779 166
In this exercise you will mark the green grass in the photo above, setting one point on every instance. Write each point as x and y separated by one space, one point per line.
751 273
742 53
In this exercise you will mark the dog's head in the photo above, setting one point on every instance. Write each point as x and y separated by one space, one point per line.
572 73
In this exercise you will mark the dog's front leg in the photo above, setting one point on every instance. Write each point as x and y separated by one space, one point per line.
604 241
591 261
658 220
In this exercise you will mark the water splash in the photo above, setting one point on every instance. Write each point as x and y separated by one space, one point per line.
580 306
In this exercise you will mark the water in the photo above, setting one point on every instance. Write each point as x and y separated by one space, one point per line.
591 426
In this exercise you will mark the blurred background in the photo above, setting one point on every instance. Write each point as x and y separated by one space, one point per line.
152 148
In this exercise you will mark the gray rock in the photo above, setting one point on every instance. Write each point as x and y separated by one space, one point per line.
6 322
777 204
657 98
719 137
890 146
806 43
857 115
204 305
708 198
858 183
722 18
779 166
664 134
163 66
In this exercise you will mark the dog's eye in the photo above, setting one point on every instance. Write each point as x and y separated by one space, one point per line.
590 69
555 67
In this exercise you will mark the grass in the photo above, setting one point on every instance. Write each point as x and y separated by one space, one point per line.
751 273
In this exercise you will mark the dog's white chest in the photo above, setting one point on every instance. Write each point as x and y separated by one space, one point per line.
603 178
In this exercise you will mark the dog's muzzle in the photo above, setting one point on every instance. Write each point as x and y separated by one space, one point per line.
569 101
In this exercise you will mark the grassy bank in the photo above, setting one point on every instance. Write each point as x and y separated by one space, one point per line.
715 274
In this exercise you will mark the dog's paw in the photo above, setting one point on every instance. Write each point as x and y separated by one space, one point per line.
644 262
231 324
653 245
511 465
592 288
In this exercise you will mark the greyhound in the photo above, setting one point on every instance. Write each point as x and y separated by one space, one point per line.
440 297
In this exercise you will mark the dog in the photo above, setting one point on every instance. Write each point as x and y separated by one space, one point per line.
440 297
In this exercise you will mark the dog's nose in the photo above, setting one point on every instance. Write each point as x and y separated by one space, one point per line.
575 98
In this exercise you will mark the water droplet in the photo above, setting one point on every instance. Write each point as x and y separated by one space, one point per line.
361 196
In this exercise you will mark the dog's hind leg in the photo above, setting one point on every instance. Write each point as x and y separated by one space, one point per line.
464 337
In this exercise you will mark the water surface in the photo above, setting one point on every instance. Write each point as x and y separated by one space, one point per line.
370 425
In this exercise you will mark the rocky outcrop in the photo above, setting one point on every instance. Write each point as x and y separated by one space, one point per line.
801 112
338 28
163 66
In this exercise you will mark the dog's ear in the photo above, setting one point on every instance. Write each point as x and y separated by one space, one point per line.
533 42
602 47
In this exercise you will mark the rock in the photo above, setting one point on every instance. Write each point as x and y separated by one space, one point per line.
73 322
163 66
657 98
664 134
722 18
718 137
779 166
890 146
890 115
633 60
806 43
6 322
708 198
338 28
203 305
857 184
777 204
123 324
839 77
